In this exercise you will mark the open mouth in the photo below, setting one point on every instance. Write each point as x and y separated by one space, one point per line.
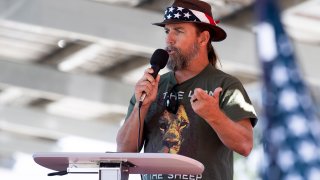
170 51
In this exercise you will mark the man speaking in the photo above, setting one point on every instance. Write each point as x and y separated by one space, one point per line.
195 110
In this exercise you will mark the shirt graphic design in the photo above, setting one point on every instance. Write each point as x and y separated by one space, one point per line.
171 127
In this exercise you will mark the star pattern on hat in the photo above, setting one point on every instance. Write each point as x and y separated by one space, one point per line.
180 9
187 15
179 13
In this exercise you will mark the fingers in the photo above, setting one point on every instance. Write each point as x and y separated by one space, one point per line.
200 94
157 79
148 85
148 77
144 86
217 92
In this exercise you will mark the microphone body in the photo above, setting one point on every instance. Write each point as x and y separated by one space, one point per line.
158 61
156 70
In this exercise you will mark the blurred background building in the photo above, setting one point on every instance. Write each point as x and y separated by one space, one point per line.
68 67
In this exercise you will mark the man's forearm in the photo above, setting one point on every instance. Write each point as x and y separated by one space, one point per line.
127 137
237 136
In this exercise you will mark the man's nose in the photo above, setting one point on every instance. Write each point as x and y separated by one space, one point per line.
170 38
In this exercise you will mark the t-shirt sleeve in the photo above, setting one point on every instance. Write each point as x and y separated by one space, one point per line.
235 102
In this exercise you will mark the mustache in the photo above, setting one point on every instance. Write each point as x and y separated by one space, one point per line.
172 48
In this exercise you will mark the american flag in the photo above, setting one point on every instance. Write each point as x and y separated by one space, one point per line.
184 14
291 130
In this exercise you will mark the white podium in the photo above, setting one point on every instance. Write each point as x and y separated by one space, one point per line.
118 165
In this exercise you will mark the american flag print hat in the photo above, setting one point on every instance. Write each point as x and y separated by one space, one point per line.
193 11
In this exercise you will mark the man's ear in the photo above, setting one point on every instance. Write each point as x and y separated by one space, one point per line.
204 38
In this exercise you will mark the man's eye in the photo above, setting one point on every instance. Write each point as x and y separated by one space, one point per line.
179 31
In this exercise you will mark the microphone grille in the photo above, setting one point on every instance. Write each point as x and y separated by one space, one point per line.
159 58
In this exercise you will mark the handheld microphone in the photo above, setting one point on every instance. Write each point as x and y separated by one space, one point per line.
158 61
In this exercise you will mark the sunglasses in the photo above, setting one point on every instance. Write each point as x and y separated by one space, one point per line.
171 100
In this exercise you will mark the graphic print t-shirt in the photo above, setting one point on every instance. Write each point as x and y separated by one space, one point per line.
186 133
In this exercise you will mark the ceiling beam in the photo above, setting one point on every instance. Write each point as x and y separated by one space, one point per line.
40 124
48 80
12 142
133 26
92 18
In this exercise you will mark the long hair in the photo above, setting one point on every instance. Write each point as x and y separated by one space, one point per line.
212 56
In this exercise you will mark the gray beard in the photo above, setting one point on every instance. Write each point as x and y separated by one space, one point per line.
179 61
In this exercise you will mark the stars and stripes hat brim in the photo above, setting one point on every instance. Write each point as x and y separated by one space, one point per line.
195 11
